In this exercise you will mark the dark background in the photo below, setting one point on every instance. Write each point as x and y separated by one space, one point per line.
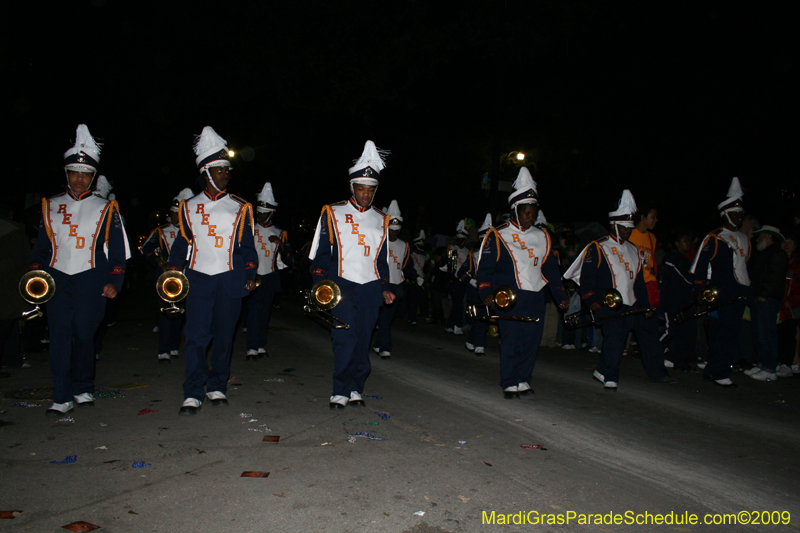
669 99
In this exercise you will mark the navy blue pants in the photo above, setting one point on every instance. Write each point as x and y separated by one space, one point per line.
383 339
456 291
211 313
169 329
764 316
725 349
416 300
615 334
681 340
359 308
73 314
477 335
519 341
259 310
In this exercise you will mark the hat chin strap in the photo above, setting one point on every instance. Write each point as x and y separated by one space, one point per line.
353 194
728 218
66 173
208 173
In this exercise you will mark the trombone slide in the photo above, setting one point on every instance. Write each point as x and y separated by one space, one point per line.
474 312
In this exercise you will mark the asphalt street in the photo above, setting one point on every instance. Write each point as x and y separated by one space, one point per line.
450 451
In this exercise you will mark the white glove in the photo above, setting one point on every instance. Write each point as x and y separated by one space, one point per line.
420 281
474 282
443 268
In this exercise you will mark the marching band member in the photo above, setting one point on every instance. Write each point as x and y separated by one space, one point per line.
722 262
156 250
400 270
457 289
614 263
274 254
519 255
416 295
467 274
221 270
82 244
349 248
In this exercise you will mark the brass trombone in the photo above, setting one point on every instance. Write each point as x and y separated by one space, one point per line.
452 261
321 298
611 299
36 287
505 299
172 286
709 296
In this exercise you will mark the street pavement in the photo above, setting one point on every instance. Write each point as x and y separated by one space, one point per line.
450 451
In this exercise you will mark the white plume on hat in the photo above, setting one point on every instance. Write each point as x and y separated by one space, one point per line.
521 185
625 210
103 187
487 224
208 143
461 228
420 237
371 157
84 143
735 192
266 197
540 219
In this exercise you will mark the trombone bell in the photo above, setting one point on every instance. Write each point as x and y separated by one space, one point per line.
612 299
324 296
36 287
505 298
172 286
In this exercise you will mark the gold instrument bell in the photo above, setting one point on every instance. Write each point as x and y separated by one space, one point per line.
321 298
505 298
172 286
611 299
706 303
36 287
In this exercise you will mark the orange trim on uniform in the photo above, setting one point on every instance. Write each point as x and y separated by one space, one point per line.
408 254
383 239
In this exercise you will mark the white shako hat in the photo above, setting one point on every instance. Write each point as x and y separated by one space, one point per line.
103 188
487 224
266 200
185 194
395 218
625 210
211 150
524 189
734 201
84 156
420 237
461 229
368 167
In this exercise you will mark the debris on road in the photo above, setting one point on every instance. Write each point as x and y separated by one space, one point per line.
533 447
251 473
146 412
68 460
81 526
140 464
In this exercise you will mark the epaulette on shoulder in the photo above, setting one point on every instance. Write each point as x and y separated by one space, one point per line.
337 204
716 232
238 199
59 195
501 226
381 213
165 226
603 239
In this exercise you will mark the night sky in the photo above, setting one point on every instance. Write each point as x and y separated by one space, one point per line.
669 99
